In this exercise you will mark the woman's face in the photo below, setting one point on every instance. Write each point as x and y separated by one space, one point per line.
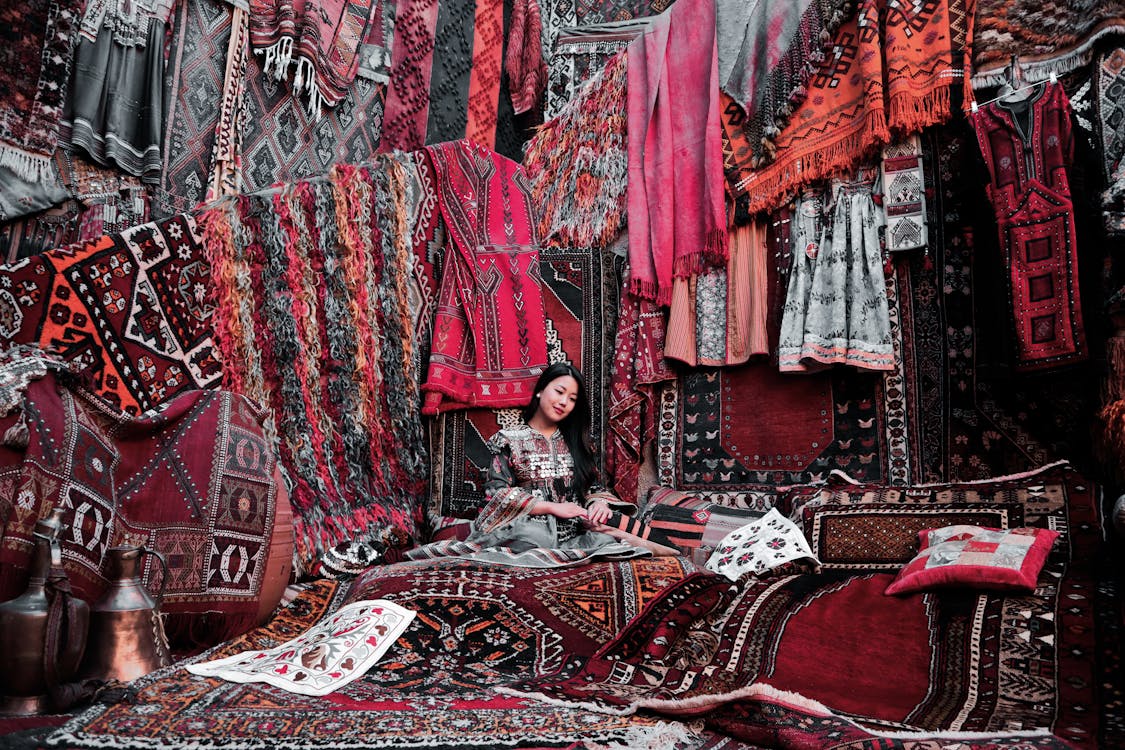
558 398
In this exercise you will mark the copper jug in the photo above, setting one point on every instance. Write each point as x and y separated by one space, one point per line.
127 637
42 631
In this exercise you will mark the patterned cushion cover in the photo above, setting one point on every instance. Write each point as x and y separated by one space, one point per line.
976 557
691 523
759 547
884 536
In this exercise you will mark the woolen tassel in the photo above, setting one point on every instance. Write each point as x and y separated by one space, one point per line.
18 435
1109 443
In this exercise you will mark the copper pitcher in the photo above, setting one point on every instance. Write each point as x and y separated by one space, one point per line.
42 631
127 637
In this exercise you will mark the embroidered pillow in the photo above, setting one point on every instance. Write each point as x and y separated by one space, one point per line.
976 557
759 547
693 524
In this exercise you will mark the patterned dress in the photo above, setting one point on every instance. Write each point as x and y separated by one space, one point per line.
836 309
528 467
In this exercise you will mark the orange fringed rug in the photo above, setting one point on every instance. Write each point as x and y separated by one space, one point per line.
890 69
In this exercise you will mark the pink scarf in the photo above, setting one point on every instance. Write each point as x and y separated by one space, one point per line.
677 216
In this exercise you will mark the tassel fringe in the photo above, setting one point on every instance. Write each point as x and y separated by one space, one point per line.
29 167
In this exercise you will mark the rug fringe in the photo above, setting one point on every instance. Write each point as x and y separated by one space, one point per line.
27 166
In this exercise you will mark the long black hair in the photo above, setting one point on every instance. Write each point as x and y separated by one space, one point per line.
574 426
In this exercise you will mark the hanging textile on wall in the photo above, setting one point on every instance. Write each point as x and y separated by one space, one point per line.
1027 146
408 94
1109 76
677 216
484 79
580 54
129 308
891 68
313 321
904 194
1048 36
718 317
523 62
489 343
767 53
577 164
36 39
322 39
115 103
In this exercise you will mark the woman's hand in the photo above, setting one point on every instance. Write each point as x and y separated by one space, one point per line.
567 510
598 512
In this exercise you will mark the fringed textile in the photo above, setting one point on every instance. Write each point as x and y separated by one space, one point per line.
36 39
194 478
890 69
322 38
523 62
767 53
489 342
579 54
226 156
1027 147
1048 36
677 216
638 368
408 94
577 164
314 322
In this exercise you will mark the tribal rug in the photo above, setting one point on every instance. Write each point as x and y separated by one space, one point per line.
313 321
408 95
1048 36
194 479
433 689
131 309
580 291
964 660
36 40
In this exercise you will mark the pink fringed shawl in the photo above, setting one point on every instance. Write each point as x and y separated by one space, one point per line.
677 217
322 37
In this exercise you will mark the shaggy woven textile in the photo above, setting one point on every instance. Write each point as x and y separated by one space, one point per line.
36 39
479 626
677 217
193 479
489 341
313 322
130 308
891 68
523 61
322 40
580 294
577 162
580 54
956 654
1053 36
767 53
1028 147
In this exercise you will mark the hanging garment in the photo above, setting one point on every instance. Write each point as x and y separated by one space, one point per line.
115 108
1027 145
836 308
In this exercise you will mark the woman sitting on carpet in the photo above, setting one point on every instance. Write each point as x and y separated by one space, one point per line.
544 508
541 483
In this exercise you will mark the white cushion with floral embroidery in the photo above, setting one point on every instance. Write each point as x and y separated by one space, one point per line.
760 546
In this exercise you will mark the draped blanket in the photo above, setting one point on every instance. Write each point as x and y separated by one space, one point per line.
322 37
313 321
36 39
768 50
1048 36
890 69
489 333
194 479
677 216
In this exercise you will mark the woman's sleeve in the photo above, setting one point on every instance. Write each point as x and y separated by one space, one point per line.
507 501
598 491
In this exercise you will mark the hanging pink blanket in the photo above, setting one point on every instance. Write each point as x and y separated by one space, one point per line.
677 216
490 335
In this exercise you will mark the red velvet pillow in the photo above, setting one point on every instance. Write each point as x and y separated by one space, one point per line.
976 557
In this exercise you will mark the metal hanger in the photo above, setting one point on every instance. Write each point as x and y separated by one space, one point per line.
1014 85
